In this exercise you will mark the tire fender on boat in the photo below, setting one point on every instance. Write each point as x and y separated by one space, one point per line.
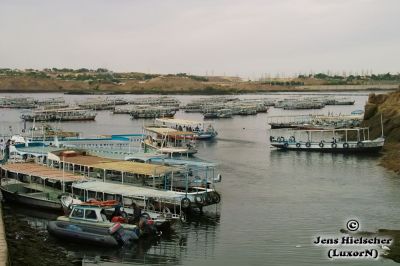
321 144
298 144
346 145
334 145
308 144
286 145
216 197
199 199
185 203
360 144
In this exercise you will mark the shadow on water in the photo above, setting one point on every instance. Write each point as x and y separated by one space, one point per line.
28 241
279 152
27 236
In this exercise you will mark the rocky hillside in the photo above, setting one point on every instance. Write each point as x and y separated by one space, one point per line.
387 105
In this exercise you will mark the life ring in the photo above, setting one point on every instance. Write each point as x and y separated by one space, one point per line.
199 199
334 145
286 145
360 144
208 198
298 144
346 145
321 144
216 198
308 144
185 203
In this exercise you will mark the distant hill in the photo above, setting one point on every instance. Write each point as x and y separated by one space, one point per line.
102 81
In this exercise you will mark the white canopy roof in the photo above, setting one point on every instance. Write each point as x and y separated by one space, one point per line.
128 190
179 121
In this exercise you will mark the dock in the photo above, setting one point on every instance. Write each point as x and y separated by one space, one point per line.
3 243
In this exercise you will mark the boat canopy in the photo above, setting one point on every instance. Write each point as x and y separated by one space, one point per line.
335 130
135 168
35 150
32 169
73 157
191 163
126 190
178 121
169 131
85 160
60 110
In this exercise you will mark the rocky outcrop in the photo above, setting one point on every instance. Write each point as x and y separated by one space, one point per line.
386 106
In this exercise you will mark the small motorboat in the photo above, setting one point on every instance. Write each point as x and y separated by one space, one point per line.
113 236
96 213
161 220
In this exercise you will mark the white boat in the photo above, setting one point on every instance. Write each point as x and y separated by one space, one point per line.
195 198
338 141
202 131
170 141
132 208
137 179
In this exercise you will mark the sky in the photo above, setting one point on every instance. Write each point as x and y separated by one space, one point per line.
248 38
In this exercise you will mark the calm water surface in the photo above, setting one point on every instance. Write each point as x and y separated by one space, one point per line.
273 203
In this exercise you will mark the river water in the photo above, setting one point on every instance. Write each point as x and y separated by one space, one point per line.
274 203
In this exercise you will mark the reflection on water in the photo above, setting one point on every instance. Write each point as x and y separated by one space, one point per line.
165 250
273 202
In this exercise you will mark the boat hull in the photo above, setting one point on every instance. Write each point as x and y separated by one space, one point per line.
82 233
354 148
27 200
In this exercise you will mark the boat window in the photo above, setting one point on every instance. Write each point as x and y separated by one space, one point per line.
90 214
77 213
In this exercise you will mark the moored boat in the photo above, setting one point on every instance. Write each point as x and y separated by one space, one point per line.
202 132
35 185
113 211
113 236
63 114
170 141
350 140
19 192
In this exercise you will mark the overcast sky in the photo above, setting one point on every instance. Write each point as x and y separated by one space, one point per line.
247 38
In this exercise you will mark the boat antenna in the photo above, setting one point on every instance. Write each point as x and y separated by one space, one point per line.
381 125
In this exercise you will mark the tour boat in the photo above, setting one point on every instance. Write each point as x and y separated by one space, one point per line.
348 140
